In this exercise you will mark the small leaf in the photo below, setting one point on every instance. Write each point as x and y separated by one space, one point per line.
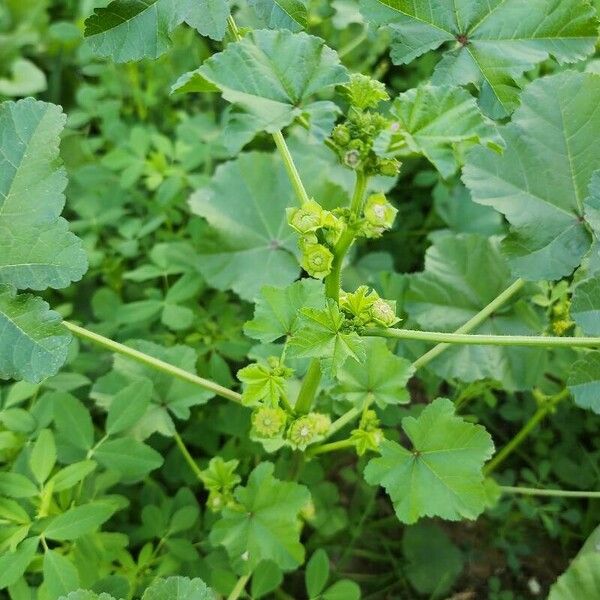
15 485
441 476
71 475
132 459
585 305
14 564
60 575
267 577
128 406
73 421
317 573
381 377
276 312
179 588
43 456
584 382
342 590
282 14
78 521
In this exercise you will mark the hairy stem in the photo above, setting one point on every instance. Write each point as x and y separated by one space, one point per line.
472 323
537 341
526 491
150 361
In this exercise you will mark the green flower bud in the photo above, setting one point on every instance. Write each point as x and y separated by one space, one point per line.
341 135
316 260
268 422
379 212
388 167
321 422
216 501
364 92
352 159
383 312
366 440
308 218
359 303
302 432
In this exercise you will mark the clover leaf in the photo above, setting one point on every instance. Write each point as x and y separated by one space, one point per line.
441 476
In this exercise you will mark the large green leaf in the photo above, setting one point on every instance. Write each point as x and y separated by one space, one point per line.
34 344
441 123
541 180
266 526
129 30
36 249
585 305
453 288
245 203
491 43
281 14
381 377
274 74
584 382
14 564
441 475
580 581
179 588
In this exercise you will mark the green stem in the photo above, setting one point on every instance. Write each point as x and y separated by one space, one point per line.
472 323
188 457
150 361
233 28
539 415
290 167
237 591
346 418
334 279
537 341
508 489
330 447
309 387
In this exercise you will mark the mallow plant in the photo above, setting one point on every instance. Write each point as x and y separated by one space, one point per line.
316 153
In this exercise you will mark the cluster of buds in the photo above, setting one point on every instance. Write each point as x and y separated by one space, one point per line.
319 231
220 478
561 319
307 429
355 137
369 435
365 307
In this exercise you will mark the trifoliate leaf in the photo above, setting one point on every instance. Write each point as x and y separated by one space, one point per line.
441 475
274 74
440 123
37 250
491 43
580 580
381 377
323 333
585 305
276 312
34 343
541 180
452 289
584 382
245 204
179 588
281 14
266 525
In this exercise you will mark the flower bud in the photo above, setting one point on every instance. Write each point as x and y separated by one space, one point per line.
316 260
352 159
321 422
388 167
268 422
383 312
379 212
341 135
308 218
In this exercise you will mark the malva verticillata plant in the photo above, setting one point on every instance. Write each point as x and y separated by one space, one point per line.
303 179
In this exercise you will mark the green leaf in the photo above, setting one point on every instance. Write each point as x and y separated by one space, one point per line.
441 476
276 311
34 344
86 595
15 485
317 573
342 590
584 382
492 43
453 289
36 249
245 205
580 580
440 123
78 521
282 14
267 526
179 588
541 180
73 421
592 204
381 377
60 575
14 564
585 305
273 75
71 475
43 456
267 577
208 17
133 460
128 406
433 561
322 334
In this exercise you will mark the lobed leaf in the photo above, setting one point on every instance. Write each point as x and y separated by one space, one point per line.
282 14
